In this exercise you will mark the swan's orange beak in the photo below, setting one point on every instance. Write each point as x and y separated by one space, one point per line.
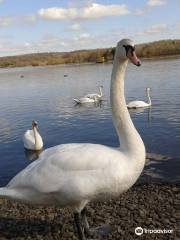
133 58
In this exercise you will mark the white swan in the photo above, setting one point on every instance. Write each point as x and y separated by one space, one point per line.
90 98
141 104
32 138
86 100
95 95
74 174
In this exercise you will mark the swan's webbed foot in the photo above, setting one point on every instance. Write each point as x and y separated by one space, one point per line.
101 231
83 228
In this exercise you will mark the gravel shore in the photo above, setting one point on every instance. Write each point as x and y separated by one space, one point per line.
150 206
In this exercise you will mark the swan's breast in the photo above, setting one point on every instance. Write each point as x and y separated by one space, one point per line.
28 139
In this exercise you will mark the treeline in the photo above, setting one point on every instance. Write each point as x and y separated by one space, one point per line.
147 50
159 49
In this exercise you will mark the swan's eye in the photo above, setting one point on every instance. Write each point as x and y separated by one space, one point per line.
129 48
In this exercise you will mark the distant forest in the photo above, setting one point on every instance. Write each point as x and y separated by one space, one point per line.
163 48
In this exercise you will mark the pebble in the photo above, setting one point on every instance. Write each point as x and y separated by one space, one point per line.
149 206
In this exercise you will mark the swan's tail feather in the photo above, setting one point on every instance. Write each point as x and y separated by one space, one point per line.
6 192
76 100
3 192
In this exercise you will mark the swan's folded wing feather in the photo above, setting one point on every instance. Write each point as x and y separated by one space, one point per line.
77 156
65 165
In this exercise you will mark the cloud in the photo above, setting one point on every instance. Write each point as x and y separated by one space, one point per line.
92 11
8 47
74 27
6 21
52 43
28 19
49 40
149 5
140 12
153 3
27 44
155 29
81 37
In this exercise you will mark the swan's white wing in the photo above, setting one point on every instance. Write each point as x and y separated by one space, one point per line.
28 139
78 156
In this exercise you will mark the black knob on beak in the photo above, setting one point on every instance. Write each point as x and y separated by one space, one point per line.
138 64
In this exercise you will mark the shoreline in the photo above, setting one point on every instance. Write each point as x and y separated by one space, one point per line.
150 206
154 58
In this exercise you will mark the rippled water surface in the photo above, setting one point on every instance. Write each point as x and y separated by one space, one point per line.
44 94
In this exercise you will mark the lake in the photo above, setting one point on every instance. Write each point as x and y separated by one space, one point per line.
45 95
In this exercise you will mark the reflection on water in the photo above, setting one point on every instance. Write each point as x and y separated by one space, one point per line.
89 104
141 111
137 110
159 169
44 94
31 154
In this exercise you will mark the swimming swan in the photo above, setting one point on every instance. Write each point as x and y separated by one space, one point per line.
96 95
90 98
86 100
32 138
74 174
141 104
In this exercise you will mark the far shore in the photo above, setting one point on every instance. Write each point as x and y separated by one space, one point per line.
163 49
155 58
166 57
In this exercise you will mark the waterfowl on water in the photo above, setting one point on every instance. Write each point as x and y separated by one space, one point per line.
32 138
141 104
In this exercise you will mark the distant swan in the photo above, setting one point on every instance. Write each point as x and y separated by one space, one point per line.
90 98
32 138
86 100
71 175
95 95
141 104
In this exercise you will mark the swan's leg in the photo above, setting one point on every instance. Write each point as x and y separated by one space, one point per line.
98 231
80 229
85 221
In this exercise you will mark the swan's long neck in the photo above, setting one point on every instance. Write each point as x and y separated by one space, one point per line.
100 92
37 137
149 98
130 140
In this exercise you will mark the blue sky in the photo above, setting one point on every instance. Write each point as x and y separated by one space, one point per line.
66 25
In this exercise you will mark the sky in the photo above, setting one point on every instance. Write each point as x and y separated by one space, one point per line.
66 25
